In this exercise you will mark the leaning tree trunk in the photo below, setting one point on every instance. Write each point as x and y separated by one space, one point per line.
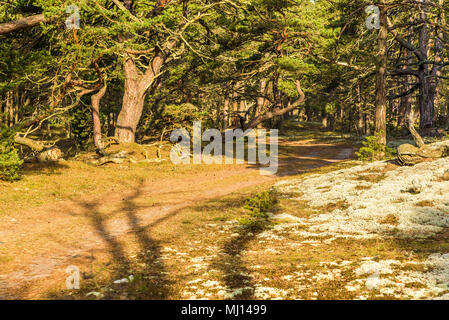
44 154
95 101
278 110
136 86
411 155
21 24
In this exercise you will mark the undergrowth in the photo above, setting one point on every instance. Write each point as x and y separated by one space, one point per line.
258 208
10 161
373 149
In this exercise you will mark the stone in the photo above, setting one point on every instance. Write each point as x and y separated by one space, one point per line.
409 155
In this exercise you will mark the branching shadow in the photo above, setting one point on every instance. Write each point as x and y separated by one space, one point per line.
149 274
153 275
48 168
235 275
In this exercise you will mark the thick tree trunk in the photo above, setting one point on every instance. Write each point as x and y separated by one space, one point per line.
136 86
132 105
381 88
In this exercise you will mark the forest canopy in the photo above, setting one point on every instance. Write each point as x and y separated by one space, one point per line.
83 71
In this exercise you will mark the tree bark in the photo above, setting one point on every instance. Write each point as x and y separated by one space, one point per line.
411 155
278 110
261 100
426 98
360 115
406 101
21 24
381 88
95 101
226 113
32 144
136 86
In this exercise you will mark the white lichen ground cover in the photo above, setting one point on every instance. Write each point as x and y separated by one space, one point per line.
368 207
369 203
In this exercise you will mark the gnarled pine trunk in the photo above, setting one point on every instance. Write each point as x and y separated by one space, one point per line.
136 86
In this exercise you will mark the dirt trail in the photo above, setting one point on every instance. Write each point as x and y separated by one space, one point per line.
41 242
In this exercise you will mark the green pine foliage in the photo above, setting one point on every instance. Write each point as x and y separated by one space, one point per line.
258 208
81 124
373 149
10 161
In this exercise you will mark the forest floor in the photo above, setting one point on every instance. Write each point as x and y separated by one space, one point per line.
340 230
110 220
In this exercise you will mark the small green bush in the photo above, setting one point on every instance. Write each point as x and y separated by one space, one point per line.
10 161
373 149
258 208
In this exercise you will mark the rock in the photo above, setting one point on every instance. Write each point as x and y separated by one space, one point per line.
51 154
446 175
409 155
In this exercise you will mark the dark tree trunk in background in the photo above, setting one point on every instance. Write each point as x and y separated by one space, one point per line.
261 101
406 101
381 88
308 112
226 114
235 106
360 128
427 88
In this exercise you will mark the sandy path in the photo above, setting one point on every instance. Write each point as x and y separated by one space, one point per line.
42 241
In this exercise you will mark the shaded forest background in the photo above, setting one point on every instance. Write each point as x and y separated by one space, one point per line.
136 69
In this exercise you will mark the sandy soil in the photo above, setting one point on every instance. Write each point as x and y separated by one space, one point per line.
41 242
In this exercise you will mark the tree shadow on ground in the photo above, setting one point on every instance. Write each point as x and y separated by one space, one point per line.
235 274
298 159
48 168
148 273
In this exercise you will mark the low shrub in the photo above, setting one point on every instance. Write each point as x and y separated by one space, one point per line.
258 208
10 161
373 149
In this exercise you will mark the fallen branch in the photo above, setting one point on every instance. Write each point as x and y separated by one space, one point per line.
21 24
45 154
